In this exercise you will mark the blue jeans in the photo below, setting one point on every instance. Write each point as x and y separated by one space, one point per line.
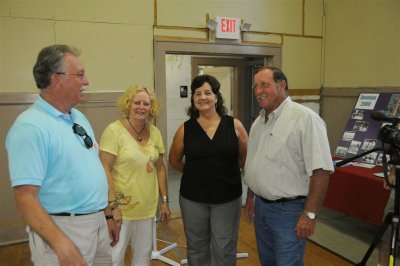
275 226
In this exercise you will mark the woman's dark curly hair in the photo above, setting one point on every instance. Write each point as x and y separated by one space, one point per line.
215 86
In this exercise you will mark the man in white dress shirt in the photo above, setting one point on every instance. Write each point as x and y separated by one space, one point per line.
287 171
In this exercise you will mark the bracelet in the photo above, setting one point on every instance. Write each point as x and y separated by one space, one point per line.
121 199
113 204
164 199
110 216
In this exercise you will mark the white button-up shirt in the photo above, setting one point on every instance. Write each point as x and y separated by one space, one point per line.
284 151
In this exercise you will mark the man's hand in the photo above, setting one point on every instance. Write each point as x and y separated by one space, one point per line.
114 225
305 226
68 254
113 231
39 221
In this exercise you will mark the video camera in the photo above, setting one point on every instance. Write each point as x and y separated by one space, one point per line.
389 134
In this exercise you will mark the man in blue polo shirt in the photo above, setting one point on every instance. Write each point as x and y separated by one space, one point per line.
59 183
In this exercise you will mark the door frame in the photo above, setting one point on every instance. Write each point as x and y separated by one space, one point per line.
161 48
238 90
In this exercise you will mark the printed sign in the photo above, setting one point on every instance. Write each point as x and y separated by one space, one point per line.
360 134
367 101
183 91
228 28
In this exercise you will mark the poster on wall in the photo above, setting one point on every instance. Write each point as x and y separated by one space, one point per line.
361 132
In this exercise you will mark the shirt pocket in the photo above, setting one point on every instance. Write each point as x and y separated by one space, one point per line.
276 146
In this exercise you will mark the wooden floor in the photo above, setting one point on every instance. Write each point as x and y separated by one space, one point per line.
19 255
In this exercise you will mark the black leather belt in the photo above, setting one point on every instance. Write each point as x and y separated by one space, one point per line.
71 214
282 199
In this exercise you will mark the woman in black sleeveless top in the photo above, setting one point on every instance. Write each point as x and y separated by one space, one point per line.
210 148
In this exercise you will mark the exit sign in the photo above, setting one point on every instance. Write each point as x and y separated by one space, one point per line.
228 28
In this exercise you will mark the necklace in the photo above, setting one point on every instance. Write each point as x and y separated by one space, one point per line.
209 125
138 134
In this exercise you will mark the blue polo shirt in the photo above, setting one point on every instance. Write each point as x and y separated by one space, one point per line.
44 151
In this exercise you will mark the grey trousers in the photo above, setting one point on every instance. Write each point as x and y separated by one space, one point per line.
211 232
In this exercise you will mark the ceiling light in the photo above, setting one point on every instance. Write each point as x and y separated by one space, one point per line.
212 24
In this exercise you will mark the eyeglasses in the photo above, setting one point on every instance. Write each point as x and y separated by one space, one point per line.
82 133
79 75
262 85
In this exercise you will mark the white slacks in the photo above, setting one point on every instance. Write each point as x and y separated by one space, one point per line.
139 234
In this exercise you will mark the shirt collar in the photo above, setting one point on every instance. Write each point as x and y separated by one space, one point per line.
50 109
275 114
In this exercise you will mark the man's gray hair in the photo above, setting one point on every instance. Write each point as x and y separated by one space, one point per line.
49 61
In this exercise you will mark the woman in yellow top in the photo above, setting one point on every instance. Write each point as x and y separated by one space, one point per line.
131 151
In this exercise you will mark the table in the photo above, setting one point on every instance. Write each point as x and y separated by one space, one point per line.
355 191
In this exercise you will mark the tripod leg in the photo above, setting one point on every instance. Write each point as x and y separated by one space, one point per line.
395 219
377 238
395 231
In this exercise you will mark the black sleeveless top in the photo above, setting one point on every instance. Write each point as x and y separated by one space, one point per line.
211 173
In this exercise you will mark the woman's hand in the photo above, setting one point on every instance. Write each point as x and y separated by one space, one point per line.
391 179
165 212
117 217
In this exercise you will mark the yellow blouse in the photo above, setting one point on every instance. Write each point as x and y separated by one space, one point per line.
134 171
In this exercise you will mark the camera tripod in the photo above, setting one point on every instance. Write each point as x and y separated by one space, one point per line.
392 218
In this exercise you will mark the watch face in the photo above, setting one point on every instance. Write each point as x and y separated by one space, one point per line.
310 215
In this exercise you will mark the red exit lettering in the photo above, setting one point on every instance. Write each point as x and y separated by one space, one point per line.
228 25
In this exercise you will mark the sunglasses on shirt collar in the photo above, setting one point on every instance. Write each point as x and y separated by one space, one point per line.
78 129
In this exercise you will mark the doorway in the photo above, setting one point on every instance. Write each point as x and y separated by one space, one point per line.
174 70
229 72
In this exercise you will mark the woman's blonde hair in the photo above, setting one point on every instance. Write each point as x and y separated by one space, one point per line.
125 101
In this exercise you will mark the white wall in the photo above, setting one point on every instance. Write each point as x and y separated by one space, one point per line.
178 73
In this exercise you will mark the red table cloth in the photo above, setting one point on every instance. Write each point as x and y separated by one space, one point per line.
355 191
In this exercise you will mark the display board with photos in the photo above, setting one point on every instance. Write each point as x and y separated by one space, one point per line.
361 132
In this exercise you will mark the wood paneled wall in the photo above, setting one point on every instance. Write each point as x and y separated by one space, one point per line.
100 108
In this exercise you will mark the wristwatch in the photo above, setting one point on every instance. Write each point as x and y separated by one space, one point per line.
310 215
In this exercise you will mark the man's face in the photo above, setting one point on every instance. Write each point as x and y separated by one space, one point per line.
268 93
73 82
